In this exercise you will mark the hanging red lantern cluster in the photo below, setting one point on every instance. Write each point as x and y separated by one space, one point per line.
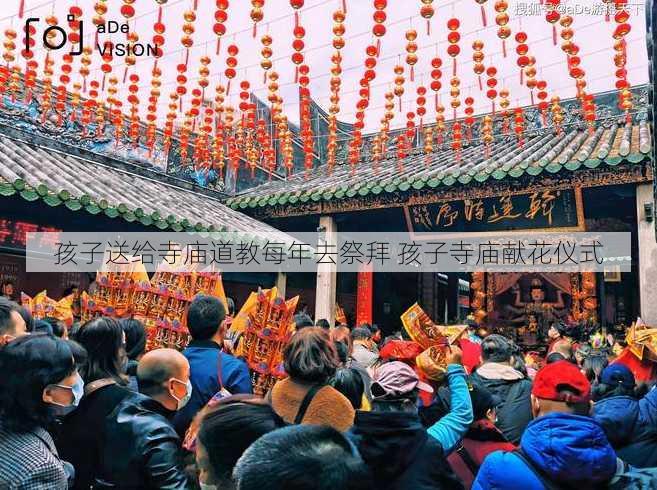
399 83
402 152
428 142
74 35
453 37
622 17
306 121
588 106
491 83
335 85
133 99
521 50
9 57
202 142
62 90
27 53
426 12
298 46
75 100
487 133
257 14
100 7
46 94
502 19
557 114
478 58
454 92
543 104
188 29
106 66
379 16
436 75
552 16
231 64
266 53
220 18
85 61
151 117
457 140
130 58
421 102
89 106
381 143
218 154
411 49
98 110
504 104
519 125
469 117
30 81
440 124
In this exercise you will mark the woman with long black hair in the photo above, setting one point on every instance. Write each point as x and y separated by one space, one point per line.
104 374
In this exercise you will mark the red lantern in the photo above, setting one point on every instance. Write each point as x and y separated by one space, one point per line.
453 38
411 49
426 12
257 14
469 119
502 19
379 16
454 92
231 64
436 74
478 58
440 124
552 16
220 18
519 126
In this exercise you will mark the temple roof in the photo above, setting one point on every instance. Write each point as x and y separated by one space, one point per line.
82 183
612 142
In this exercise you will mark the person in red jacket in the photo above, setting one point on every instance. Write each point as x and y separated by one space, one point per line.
481 439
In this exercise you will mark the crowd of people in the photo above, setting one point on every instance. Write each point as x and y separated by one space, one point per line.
87 407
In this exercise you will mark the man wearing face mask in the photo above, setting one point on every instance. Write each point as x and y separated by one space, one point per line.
141 448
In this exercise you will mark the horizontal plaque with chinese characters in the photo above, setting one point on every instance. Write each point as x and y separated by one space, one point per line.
545 210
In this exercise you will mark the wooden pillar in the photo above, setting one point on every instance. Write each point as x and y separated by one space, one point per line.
647 269
281 283
326 273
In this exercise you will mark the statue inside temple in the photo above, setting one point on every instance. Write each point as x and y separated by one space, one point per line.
532 319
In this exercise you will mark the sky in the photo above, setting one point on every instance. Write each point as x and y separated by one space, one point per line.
591 32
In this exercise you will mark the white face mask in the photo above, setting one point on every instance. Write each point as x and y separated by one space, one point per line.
183 401
77 390
207 486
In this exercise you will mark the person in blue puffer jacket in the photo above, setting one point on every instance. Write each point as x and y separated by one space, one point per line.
562 447
629 422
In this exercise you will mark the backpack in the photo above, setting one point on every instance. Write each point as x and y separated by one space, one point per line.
189 442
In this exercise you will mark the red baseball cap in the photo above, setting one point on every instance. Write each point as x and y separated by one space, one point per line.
558 377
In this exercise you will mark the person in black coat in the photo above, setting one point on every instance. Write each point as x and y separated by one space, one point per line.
507 384
391 438
629 422
79 438
141 449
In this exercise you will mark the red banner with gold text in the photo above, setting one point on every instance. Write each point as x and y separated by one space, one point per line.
365 295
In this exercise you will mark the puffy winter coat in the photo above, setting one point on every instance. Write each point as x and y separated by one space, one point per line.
572 451
631 427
